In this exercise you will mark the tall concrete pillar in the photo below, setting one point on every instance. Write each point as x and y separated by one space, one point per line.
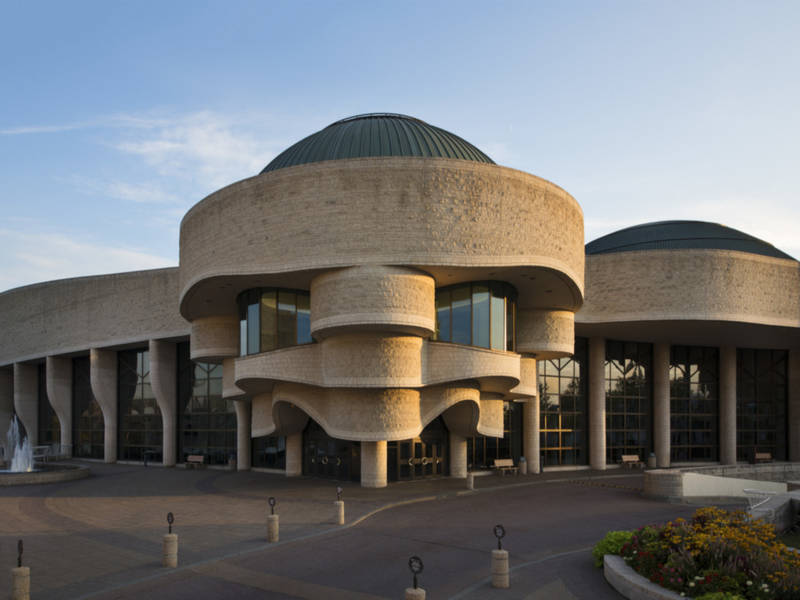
103 380
597 403
458 456
163 375
530 434
243 434
294 454
6 400
58 378
661 405
373 464
794 405
727 405
26 399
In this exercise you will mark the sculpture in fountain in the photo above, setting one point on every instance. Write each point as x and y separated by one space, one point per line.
18 449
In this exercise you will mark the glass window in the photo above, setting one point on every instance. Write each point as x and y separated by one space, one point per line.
480 315
562 414
269 321
273 318
461 315
628 399
140 428
49 428
477 314
482 450
88 431
761 402
252 329
206 420
694 403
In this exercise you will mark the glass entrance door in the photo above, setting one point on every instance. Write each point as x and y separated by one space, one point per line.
324 456
421 457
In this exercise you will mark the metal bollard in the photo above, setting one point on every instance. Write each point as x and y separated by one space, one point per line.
500 560
169 546
20 578
416 567
470 481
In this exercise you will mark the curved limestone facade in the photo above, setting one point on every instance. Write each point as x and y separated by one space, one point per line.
383 302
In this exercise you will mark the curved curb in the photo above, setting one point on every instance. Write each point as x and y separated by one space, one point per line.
52 475
632 585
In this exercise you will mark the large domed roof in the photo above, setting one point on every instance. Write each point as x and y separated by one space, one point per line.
668 235
377 134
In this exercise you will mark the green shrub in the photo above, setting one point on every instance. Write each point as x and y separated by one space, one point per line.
720 596
611 544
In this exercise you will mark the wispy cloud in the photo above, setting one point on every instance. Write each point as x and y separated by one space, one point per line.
34 257
140 193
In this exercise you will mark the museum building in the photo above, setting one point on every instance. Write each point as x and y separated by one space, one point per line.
383 302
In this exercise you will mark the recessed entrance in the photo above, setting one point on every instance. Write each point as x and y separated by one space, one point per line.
324 456
420 457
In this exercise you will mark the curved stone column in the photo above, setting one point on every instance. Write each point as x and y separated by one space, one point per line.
727 405
58 373
243 438
6 399
661 406
103 377
458 456
26 397
530 434
294 454
163 374
597 403
373 464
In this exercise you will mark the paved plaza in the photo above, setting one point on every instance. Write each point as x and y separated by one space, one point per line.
101 537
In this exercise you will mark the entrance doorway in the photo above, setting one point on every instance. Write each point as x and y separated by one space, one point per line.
420 457
324 456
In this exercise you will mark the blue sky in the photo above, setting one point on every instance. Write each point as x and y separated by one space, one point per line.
116 117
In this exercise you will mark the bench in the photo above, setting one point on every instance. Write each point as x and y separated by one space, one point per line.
760 457
505 465
41 453
196 461
630 461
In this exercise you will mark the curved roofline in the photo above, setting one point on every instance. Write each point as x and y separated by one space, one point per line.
372 135
682 234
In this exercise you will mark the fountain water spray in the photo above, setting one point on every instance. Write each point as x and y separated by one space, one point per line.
19 452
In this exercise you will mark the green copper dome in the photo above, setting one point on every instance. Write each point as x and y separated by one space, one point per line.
669 235
377 134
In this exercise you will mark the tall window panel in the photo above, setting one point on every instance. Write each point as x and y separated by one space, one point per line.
761 403
49 428
482 450
628 399
272 318
562 409
477 314
206 420
694 403
88 429
269 452
140 428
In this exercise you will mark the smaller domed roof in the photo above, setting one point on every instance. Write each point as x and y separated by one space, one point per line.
669 235
377 134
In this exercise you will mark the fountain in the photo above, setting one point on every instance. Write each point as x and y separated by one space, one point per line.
21 469
19 452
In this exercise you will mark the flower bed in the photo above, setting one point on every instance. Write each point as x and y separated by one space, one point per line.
716 554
